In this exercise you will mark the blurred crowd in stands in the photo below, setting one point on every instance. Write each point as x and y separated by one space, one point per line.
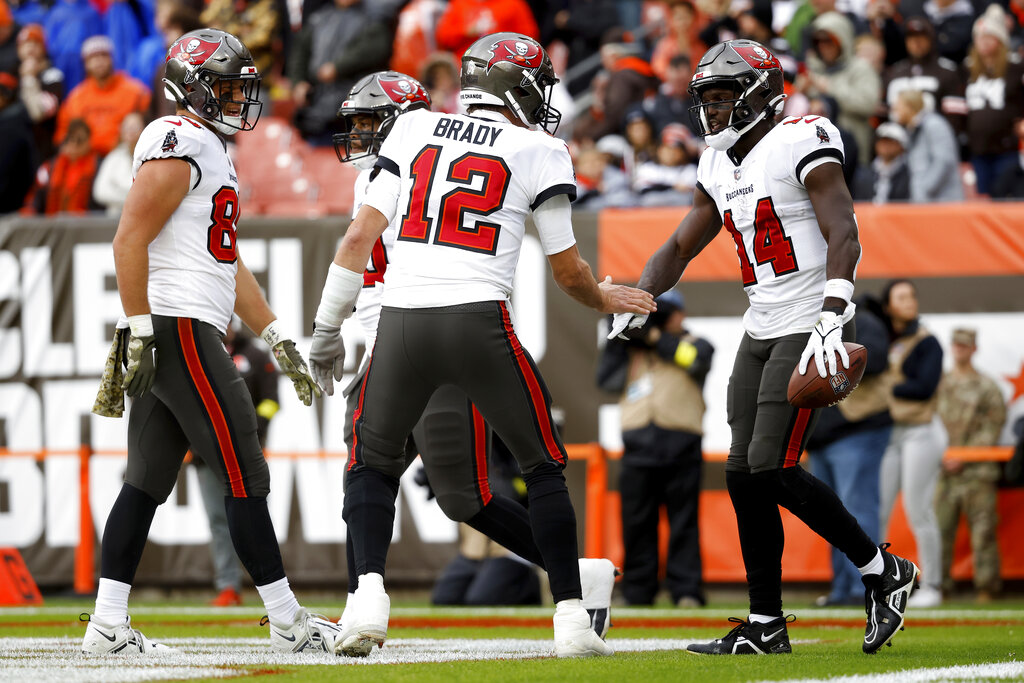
928 94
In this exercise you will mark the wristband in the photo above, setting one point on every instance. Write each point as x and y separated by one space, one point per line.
271 335
339 296
141 325
839 288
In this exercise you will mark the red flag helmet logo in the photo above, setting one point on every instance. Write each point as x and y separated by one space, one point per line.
403 91
519 52
757 57
193 51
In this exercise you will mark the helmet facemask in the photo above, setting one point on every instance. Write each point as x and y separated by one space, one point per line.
213 98
359 143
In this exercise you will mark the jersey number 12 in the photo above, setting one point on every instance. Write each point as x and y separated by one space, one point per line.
482 236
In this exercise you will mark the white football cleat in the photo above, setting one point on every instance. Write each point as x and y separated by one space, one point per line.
308 633
365 618
345 614
107 639
597 578
574 636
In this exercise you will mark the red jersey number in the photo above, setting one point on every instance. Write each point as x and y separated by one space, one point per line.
771 243
481 236
221 235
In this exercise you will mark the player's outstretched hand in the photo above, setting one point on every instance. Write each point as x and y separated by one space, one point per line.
623 299
825 342
292 365
327 356
622 323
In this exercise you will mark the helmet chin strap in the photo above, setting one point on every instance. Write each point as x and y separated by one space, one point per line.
723 140
366 162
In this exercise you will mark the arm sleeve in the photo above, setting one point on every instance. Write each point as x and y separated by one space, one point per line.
384 190
922 370
553 219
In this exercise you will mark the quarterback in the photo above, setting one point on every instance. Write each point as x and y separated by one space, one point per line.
452 435
460 189
180 278
778 190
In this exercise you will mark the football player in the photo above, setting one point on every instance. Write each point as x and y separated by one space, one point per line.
450 427
180 278
778 190
463 186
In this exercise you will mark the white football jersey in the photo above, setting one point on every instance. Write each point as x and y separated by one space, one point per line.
465 185
193 261
368 303
767 212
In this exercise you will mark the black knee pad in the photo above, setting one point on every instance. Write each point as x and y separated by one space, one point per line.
457 507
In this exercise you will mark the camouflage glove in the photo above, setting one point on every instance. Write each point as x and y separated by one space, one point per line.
327 356
290 361
110 396
141 368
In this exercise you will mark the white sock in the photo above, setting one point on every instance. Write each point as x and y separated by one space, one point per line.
112 601
761 618
569 603
280 602
875 566
371 580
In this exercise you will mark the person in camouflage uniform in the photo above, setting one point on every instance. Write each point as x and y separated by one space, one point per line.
972 408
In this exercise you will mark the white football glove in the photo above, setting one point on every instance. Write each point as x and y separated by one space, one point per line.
825 342
327 356
623 322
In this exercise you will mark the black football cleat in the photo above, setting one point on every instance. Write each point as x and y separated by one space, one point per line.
749 638
885 599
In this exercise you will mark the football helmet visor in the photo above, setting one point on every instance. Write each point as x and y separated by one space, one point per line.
212 74
751 73
381 96
511 70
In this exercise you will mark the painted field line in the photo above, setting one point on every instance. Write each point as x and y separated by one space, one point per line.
1013 671
50 659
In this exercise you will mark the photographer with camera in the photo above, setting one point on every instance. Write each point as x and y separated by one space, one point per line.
660 376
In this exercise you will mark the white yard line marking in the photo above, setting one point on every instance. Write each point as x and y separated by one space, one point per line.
49 659
968 672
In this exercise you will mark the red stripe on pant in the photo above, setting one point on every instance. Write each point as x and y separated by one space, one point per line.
358 413
540 408
213 409
796 437
483 485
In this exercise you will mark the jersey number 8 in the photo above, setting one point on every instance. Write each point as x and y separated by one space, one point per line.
220 238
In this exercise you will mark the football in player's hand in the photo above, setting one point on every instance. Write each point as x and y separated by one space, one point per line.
811 390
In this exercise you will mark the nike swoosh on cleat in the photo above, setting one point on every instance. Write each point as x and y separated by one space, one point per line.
896 574
110 638
291 637
765 639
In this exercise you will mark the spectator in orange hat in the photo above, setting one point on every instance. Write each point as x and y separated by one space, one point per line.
103 99
42 86
67 184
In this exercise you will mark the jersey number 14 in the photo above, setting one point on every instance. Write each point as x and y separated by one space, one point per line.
482 236
771 243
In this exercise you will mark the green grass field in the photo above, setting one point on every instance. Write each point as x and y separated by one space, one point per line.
955 643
